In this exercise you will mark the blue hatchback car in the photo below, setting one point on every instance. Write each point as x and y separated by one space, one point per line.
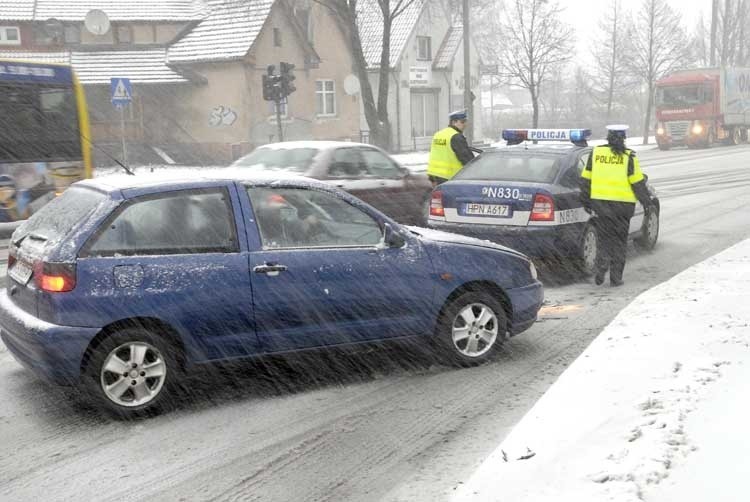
121 285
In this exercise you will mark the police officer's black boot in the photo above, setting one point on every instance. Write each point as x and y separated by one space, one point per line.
615 282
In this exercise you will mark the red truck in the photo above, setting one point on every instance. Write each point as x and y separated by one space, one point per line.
699 107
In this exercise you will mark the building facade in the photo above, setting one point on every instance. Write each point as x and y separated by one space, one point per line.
427 71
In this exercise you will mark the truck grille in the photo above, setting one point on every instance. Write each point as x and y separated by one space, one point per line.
678 130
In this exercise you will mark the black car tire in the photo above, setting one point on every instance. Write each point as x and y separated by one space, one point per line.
664 146
649 231
587 255
156 349
458 353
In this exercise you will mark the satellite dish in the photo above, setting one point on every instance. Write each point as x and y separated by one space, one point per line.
97 22
351 85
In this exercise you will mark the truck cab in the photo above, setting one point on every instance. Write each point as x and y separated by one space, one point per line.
692 108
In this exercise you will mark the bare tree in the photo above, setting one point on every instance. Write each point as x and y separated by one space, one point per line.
537 43
660 47
701 43
613 46
346 13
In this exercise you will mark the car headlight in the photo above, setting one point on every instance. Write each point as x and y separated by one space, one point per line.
660 131
532 269
697 129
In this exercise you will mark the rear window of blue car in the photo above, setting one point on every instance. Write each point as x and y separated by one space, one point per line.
508 167
54 220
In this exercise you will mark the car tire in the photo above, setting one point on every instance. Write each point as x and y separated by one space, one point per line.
147 378
462 341
663 146
649 231
710 139
589 249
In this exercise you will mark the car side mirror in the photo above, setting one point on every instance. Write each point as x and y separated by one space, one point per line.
392 238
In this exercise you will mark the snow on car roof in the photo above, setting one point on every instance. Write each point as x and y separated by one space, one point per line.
318 145
190 176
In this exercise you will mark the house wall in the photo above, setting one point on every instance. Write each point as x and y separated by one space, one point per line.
442 91
234 90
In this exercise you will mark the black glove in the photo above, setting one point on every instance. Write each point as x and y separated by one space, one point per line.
587 208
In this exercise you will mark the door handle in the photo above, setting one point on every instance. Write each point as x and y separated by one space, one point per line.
270 269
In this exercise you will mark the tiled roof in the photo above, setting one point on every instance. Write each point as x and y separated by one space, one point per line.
44 57
227 33
451 43
117 10
97 67
370 21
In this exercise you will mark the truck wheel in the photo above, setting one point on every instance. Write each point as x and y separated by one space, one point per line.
736 136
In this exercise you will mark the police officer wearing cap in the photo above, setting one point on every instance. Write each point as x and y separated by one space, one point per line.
449 151
611 184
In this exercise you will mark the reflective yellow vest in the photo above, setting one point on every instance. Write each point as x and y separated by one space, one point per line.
612 175
443 160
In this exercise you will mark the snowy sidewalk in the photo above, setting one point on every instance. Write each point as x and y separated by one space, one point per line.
655 409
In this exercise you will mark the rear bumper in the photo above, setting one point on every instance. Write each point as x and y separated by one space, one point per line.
52 352
533 241
526 302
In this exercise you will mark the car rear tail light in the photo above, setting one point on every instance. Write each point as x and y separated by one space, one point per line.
436 204
11 256
55 277
543 209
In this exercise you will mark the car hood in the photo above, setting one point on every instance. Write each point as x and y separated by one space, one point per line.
447 237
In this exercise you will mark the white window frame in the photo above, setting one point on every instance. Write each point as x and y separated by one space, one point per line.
4 35
324 92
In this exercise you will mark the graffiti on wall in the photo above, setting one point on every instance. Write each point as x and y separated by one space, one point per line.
222 116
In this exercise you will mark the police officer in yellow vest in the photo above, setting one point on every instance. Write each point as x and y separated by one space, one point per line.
611 184
450 150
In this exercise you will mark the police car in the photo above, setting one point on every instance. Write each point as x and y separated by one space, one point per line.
526 196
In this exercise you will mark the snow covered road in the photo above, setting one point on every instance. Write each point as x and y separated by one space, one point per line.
385 425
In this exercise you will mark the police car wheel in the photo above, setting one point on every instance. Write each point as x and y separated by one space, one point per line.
589 250
471 328
649 232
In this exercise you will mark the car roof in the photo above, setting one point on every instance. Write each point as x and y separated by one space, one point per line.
188 178
319 145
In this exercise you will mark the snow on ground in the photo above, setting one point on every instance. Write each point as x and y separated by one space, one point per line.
655 409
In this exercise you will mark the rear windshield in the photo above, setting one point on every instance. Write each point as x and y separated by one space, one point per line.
508 167
53 221
297 160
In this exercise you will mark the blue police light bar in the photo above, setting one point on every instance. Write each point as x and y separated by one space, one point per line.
516 136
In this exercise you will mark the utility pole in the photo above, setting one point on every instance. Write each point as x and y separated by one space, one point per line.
469 131
714 21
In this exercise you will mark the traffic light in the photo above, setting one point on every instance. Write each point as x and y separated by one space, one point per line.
287 77
271 84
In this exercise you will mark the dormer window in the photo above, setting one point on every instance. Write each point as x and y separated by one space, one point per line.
10 35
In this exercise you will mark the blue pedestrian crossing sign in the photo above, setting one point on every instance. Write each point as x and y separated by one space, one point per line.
122 92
